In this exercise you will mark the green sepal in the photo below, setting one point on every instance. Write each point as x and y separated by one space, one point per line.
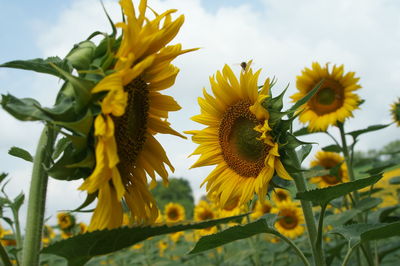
262 225
324 195
81 248
81 126
59 148
41 65
18 201
275 104
20 153
304 152
306 98
89 199
81 55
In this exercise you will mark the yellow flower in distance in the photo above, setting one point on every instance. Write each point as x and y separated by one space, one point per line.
174 212
204 211
334 101
132 112
48 235
261 208
280 195
328 160
65 220
395 111
291 220
237 138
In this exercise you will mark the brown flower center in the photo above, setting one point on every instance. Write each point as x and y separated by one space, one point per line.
241 149
331 179
289 220
173 214
282 196
329 97
130 128
206 215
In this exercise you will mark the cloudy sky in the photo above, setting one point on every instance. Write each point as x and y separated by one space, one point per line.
282 37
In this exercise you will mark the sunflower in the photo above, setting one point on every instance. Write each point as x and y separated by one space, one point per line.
395 111
204 211
280 195
48 235
162 246
237 138
65 220
329 160
175 237
82 228
6 237
261 208
334 101
291 220
174 212
132 111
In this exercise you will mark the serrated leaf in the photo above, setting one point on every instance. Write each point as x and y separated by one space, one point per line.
352 233
40 65
25 109
380 168
304 131
79 249
357 133
20 153
341 218
332 148
234 233
324 195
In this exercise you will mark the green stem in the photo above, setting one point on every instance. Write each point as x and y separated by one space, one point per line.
17 233
4 256
37 198
318 242
307 211
348 255
295 248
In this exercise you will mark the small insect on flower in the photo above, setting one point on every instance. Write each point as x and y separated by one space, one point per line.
335 100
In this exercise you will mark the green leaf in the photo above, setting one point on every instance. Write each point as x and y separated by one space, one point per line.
324 195
18 201
306 98
60 147
263 225
81 126
81 55
40 65
26 109
395 180
20 153
352 233
79 249
357 133
384 231
3 176
380 168
341 218
368 203
382 214
304 152
89 199
332 148
304 131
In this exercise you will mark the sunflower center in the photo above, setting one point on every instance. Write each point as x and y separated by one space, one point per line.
266 208
241 149
331 179
130 128
288 221
329 97
173 214
281 196
206 215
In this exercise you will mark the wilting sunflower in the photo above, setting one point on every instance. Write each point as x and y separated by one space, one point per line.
261 208
280 195
291 220
237 138
132 112
328 160
335 99
395 111
65 220
174 212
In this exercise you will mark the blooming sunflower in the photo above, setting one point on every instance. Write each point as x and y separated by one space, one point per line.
261 208
237 138
280 195
132 112
174 212
204 211
291 220
65 220
335 99
48 235
395 110
328 160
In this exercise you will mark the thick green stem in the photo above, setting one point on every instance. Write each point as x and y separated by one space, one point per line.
37 199
295 248
348 255
307 211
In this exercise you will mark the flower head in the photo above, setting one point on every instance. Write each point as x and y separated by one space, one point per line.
395 110
261 208
335 99
290 222
237 138
280 195
65 220
174 212
329 160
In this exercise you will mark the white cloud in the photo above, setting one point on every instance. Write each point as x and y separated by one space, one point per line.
281 36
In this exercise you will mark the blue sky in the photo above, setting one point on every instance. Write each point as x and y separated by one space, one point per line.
282 37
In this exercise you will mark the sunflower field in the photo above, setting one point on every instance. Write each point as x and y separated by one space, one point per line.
269 200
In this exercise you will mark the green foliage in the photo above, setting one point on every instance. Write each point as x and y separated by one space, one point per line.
324 195
359 132
80 249
178 191
20 153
